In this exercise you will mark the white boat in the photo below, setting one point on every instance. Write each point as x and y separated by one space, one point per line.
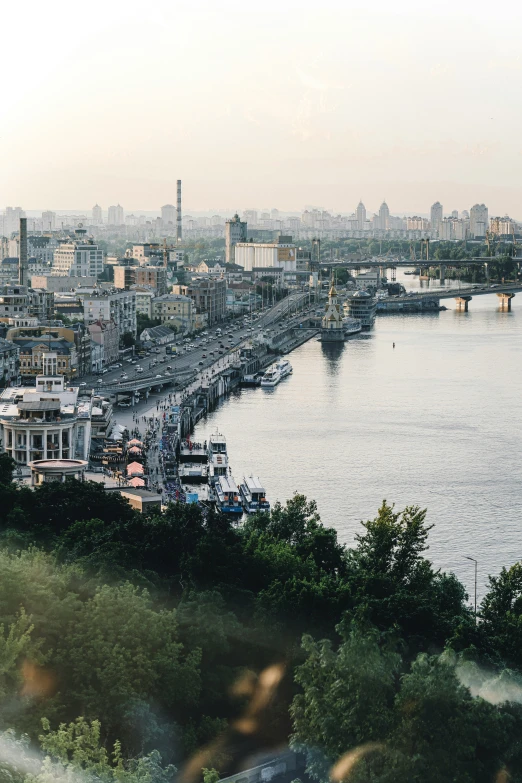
285 368
217 457
271 377
276 372
253 495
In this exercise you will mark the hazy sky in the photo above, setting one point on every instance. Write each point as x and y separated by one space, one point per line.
259 104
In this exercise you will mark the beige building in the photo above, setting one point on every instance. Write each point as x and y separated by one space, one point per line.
174 310
106 334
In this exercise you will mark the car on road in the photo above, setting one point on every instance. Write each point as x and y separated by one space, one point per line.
200 363
100 380
169 368
124 405
159 376
221 352
139 369
83 383
124 377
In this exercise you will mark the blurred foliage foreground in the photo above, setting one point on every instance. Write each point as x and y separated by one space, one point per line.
177 646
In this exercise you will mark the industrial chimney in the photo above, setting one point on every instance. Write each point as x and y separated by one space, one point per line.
22 262
178 218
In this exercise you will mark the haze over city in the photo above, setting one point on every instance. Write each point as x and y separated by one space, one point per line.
254 106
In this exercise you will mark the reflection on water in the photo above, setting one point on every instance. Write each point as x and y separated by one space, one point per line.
332 353
435 422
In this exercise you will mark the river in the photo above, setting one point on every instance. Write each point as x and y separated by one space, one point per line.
435 422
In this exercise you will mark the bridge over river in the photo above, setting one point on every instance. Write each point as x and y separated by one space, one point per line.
430 300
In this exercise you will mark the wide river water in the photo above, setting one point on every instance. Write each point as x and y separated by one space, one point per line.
435 422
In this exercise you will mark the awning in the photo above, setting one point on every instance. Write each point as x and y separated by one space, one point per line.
134 467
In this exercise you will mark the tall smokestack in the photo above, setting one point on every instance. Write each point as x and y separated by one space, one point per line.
22 263
178 219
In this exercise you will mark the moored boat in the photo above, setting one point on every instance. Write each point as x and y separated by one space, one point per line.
253 495
228 495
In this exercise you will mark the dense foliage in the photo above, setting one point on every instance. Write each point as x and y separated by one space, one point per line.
127 642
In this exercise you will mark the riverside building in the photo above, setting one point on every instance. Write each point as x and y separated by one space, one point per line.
47 421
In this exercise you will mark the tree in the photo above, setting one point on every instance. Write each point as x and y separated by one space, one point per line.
346 698
7 466
393 585
77 748
501 617
127 340
118 657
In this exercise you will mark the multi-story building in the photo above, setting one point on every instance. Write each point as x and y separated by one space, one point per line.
169 214
250 216
144 297
97 215
124 276
416 223
97 356
10 220
16 300
174 310
436 215
208 295
9 363
116 216
384 217
48 220
106 334
9 270
78 258
478 220
47 421
117 306
503 226
361 216
280 254
446 230
235 231
33 349
154 276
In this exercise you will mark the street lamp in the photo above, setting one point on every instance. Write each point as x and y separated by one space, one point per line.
467 557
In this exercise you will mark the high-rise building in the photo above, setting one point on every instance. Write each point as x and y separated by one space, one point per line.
250 216
235 231
384 216
97 217
48 220
361 216
11 220
455 214
78 258
436 214
116 217
478 220
169 214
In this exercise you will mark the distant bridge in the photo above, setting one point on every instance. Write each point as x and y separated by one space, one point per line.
462 296
390 263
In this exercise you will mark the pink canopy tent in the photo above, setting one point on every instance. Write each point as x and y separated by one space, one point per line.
135 442
134 450
133 468
137 482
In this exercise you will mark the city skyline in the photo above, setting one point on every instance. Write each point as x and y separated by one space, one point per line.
378 107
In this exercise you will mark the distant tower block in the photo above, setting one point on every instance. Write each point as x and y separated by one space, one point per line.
22 262
178 222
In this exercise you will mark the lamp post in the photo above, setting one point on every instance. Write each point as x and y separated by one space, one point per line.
467 557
